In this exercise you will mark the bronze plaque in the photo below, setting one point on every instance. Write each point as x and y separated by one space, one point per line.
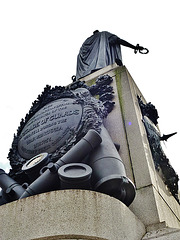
50 127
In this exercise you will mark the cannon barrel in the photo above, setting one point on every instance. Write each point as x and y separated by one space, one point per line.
10 188
108 171
49 180
3 198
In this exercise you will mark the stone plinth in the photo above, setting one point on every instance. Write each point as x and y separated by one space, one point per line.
153 203
69 214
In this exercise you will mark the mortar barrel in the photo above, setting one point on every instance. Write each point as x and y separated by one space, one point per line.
109 175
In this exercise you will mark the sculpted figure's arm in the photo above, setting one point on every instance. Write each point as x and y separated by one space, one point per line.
127 44
116 40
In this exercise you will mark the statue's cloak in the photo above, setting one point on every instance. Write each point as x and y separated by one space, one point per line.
98 51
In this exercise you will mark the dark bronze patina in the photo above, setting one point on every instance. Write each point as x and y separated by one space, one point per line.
100 50
162 163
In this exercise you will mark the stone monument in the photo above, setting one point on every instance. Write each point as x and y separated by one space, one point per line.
87 163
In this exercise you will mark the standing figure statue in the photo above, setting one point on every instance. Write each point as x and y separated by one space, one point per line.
100 50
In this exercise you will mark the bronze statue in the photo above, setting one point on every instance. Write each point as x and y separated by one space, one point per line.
100 50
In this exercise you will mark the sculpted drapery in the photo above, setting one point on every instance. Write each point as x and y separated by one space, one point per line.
98 51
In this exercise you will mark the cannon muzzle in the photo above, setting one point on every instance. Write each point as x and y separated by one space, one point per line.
11 190
33 167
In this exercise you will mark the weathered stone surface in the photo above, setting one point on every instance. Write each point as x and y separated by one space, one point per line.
69 214
163 234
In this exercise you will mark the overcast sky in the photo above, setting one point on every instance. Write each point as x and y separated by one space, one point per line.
40 40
